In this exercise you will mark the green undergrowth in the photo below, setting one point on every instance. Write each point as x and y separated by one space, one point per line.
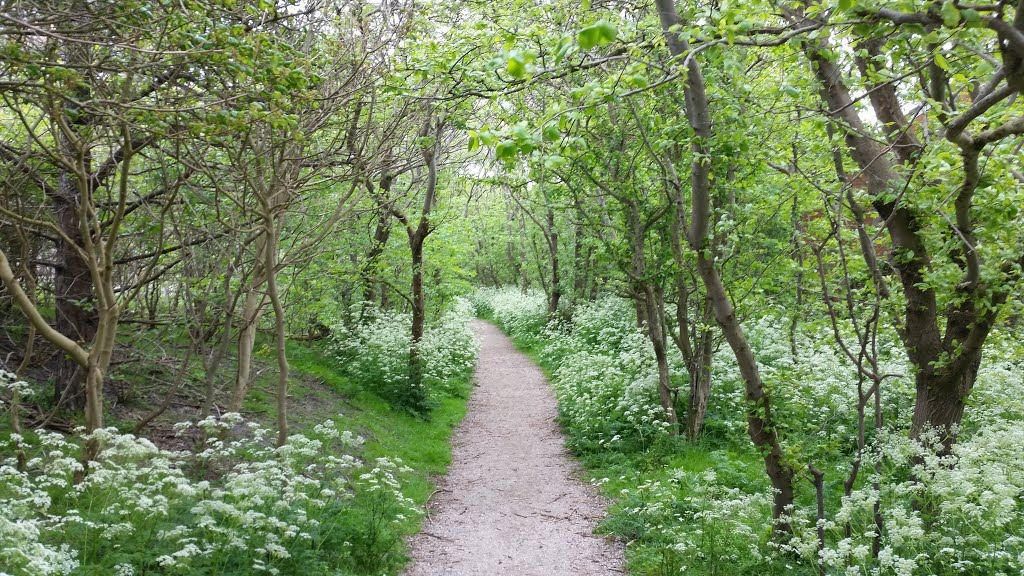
705 507
423 444
319 388
339 499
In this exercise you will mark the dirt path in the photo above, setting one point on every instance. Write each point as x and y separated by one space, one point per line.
513 503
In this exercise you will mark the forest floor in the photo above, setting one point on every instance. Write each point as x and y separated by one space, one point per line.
513 502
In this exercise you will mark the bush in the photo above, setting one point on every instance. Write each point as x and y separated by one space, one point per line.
376 355
518 313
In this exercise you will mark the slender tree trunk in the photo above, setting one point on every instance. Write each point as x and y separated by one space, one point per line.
656 334
417 236
699 368
419 310
799 254
695 344
99 361
579 280
524 256
74 290
252 311
280 336
649 311
381 235
760 421
556 274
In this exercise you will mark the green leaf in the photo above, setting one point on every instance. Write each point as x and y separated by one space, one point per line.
521 131
474 140
516 67
551 133
588 38
553 161
505 150
950 14
941 62
608 31
602 32
565 48
488 138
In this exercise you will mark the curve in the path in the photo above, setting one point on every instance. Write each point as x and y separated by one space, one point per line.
513 503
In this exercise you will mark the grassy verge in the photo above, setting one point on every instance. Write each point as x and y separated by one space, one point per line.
320 391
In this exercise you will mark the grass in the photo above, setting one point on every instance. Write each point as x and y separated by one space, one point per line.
422 444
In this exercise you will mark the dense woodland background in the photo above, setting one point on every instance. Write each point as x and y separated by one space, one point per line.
769 252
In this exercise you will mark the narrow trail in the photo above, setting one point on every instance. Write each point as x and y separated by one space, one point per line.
513 502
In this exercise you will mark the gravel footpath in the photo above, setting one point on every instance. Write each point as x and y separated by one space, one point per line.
513 503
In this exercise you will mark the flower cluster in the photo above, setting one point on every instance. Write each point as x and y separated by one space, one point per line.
376 354
517 312
449 347
233 504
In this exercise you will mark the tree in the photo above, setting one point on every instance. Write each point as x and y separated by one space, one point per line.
950 308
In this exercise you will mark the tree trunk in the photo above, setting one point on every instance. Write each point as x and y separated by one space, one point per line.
656 333
74 291
417 236
648 303
252 311
695 345
99 362
419 310
280 335
556 278
699 368
760 423
579 279
946 362
941 398
381 235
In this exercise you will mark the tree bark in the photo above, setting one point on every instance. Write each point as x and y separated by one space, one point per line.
699 369
417 235
649 313
556 275
280 336
252 311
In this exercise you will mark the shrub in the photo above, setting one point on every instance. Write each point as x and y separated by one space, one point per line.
376 355
517 313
